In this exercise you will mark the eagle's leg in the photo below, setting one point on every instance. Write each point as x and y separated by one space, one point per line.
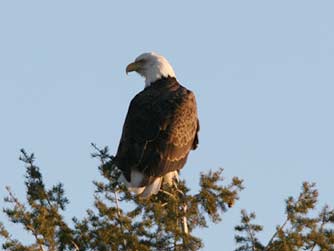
169 194
176 187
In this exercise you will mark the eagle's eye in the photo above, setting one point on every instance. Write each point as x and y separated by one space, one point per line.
141 61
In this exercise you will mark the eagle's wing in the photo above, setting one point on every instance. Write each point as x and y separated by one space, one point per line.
159 131
177 135
139 128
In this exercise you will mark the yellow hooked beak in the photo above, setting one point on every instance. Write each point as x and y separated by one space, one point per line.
135 66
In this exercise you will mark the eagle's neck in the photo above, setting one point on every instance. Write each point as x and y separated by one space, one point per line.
158 71
156 78
163 82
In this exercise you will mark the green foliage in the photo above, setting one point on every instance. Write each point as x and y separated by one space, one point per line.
119 220
41 216
303 229
166 221
248 241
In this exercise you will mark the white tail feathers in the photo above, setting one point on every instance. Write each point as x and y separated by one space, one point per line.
146 191
136 179
153 188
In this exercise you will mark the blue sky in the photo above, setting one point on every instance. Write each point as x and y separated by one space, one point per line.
262 72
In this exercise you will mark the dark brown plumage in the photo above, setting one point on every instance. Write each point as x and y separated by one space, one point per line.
160 129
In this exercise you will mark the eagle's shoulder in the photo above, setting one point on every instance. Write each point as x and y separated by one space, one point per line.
144 97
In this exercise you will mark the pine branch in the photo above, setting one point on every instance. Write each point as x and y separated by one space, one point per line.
119 221
279 229
248 241
25 218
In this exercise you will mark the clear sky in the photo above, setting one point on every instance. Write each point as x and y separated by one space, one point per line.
262 71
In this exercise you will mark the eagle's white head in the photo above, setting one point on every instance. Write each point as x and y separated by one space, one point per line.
151 66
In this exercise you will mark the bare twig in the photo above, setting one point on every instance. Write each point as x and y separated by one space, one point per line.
75 245
119 214
184 219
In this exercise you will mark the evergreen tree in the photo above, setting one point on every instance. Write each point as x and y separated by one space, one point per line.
119 221
166 221
302 229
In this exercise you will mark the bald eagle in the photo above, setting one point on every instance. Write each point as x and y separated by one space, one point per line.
160 128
